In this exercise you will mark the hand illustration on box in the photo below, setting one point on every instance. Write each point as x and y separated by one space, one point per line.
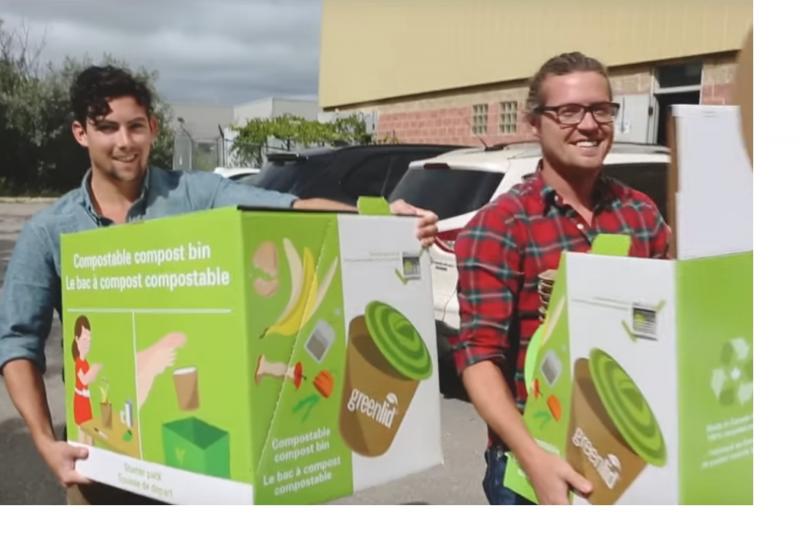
153 360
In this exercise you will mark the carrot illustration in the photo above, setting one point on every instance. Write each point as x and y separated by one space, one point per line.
324 383
555 407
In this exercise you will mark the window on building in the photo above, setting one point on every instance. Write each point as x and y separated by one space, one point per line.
508 117
679 75
677 83
480 118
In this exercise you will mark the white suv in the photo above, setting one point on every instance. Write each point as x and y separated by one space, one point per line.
456 184
235 174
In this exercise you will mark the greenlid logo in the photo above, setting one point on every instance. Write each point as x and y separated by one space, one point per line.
381 412
608 467
732 380
611 424
387 358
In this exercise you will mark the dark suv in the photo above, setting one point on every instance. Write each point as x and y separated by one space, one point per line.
342 173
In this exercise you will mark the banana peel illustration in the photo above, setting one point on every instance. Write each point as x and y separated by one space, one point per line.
307 291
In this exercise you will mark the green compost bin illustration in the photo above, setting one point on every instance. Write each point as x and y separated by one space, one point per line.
191 444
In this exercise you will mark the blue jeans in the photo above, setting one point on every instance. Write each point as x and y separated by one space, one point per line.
493 487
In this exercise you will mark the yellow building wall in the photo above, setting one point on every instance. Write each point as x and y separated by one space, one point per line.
374 50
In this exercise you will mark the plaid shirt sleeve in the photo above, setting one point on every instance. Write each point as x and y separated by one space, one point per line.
489 278
658 234
660 239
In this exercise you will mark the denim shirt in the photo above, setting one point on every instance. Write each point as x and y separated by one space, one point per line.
32 287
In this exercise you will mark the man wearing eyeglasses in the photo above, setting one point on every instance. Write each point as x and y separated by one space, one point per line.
510 243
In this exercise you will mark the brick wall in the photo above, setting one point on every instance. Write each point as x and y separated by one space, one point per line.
630 80
427 126
718 77
449 125
447 118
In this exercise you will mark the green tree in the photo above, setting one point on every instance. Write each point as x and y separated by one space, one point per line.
351 129
288 131
39 154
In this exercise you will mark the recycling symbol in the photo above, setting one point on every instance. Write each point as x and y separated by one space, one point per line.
732 380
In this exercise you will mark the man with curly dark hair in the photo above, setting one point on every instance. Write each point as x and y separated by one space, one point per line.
90 95
115 123
95 86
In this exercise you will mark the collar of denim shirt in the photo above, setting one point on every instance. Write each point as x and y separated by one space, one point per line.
86 198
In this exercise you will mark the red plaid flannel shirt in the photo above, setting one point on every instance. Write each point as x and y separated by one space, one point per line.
509 242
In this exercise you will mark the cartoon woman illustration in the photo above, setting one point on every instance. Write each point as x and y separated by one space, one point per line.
85 374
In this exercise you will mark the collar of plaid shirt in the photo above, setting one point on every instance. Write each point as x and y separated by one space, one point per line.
604 192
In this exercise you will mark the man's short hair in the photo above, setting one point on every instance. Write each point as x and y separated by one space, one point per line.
94 86
558 66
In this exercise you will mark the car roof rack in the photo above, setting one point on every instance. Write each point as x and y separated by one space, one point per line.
639 148
503 146
282 157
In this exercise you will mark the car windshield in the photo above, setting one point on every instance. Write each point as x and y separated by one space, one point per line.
277 176
649 178
448 192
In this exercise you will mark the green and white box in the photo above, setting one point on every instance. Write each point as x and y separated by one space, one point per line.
644 383
641 376
250 356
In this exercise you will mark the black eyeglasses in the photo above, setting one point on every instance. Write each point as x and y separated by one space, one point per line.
571 114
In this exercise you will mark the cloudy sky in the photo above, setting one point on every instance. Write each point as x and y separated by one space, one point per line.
205 51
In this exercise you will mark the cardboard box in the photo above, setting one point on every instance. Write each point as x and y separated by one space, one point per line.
251 356
645 382
641 376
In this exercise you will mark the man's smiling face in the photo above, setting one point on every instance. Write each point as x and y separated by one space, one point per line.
578 150
119 143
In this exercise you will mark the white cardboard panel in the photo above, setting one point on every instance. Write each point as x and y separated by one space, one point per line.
600 299
160 481
421 428
714 211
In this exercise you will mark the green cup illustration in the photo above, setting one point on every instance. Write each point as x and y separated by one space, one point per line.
613 432
386 360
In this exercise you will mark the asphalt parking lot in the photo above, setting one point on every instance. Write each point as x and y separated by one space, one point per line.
24 478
